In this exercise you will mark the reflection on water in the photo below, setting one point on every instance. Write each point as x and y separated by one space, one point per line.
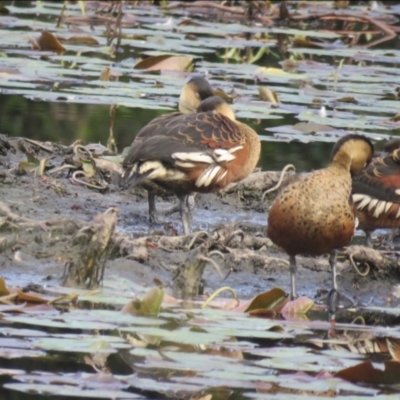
66 122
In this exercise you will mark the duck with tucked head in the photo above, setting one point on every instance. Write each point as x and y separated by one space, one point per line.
198 152
315 214
193 92
376 192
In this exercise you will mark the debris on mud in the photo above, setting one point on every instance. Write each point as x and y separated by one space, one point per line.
44 213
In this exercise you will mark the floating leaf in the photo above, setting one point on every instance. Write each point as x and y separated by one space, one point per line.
64 390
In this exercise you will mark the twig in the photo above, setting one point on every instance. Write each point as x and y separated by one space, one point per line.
389 31
390 34
74 179
60 168
233 10
216 293
277 186
213 263
196 236
367 269
36 143
58 25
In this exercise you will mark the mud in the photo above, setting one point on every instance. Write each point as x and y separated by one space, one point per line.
34 251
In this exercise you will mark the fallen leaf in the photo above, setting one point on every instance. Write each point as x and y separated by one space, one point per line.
299 306
48 42
267 94
3 288
32 297
166 62
267 302
150 305
365 372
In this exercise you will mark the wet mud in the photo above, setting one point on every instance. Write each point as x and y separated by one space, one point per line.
34 251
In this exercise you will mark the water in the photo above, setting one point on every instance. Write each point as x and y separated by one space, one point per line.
66 122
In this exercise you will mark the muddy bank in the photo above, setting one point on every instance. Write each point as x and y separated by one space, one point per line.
43 209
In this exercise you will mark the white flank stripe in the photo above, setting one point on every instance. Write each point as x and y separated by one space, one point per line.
358 197
148 166
364 203
398 192
222 176
388 205
225 157
207 176
158 173
234 149
193 157
379 209
398 213
372 204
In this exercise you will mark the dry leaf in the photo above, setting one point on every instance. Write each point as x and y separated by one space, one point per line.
48 42
166 62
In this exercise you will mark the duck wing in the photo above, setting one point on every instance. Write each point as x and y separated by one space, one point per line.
191 143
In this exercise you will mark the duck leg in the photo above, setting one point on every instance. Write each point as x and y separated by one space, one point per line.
185 209
332 263
152 207
368 239
293 270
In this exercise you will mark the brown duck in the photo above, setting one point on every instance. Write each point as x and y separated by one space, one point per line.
376 191
193 92
198 152
314 214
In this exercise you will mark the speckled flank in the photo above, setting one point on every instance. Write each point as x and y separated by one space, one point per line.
314 214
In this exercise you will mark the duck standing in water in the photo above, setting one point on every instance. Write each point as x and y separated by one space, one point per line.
376 192
193 92
198 152
315 214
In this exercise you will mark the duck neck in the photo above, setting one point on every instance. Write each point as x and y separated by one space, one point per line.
341 160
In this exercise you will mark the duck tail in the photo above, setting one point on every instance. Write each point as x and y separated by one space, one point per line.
138 172
131 176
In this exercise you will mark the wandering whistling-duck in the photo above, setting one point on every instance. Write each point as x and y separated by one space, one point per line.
197 152
314 214
376 191
193 92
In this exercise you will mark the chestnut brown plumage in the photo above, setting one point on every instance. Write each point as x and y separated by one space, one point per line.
193 92
314 214
376 191
198 152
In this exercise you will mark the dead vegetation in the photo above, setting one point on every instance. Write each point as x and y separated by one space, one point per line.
84 247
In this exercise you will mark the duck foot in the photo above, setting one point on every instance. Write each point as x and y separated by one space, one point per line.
337 300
